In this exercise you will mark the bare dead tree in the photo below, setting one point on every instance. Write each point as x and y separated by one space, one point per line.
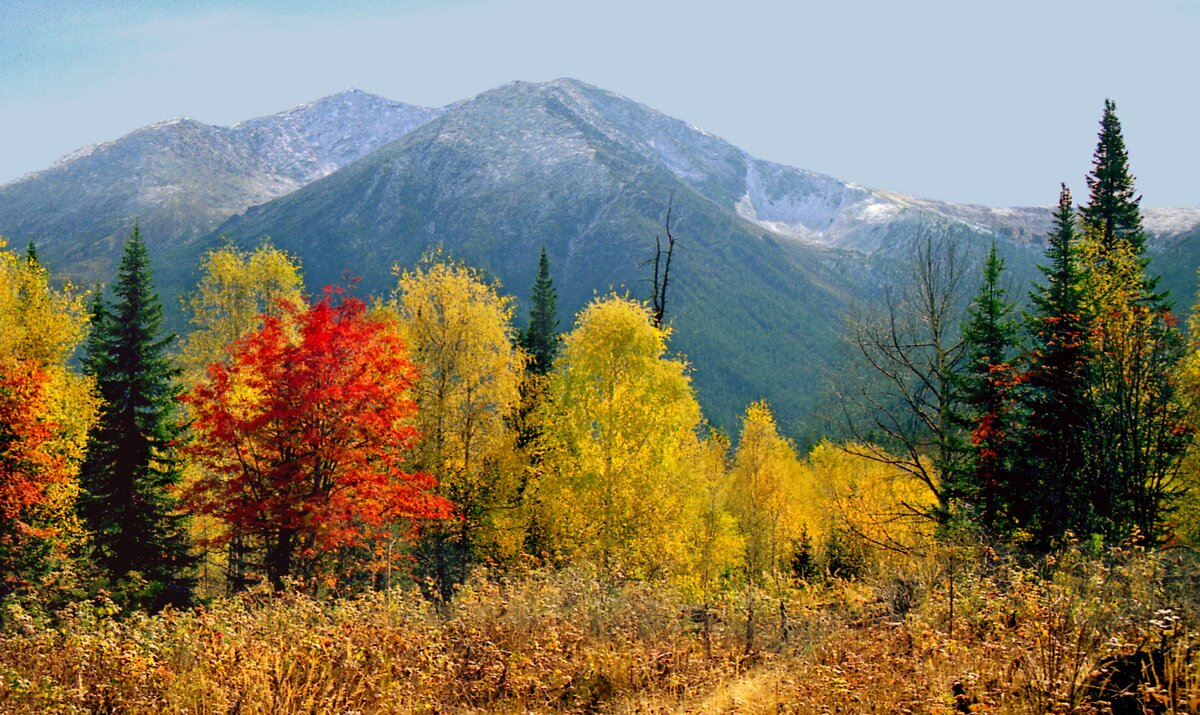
904 413
658 299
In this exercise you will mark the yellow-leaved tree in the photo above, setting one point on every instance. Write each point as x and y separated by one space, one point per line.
460 337
1186 518
713 536
236 288
863 502
618 437
766 479
1138 432
47 411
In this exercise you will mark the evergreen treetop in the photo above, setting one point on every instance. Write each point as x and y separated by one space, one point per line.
991 328
1060 296
1112 213
541 338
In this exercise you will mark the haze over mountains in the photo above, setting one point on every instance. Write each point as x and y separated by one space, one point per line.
770 257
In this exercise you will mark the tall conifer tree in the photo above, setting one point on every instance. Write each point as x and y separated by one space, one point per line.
1138 432
541 338
1056 390
131 461
1112 214
989 383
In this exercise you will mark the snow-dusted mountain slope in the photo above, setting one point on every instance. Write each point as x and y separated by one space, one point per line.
181 178
792 202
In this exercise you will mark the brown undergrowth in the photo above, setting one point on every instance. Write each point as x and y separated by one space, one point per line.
1065 634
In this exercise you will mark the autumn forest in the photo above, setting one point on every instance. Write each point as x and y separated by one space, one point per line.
426 502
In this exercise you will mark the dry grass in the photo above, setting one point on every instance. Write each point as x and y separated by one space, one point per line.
1026 639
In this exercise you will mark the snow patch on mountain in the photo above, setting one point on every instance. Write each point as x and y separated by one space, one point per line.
1167 226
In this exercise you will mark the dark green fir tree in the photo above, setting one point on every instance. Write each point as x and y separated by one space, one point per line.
988 387
1055 394
1112 213
1139 432
541 340
131 464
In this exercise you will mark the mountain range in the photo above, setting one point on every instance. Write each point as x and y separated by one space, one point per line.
770 258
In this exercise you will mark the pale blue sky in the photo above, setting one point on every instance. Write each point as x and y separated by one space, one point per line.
964 100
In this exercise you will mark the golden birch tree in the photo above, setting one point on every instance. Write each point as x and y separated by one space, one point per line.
618 433
460 337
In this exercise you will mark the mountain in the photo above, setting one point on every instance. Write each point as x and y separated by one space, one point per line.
181 178
524 166
770 258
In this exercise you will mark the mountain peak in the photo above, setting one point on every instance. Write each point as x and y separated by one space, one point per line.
351 94
522 87
572 83
172 122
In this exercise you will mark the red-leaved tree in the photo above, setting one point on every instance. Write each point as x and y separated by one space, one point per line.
302 431
31 464
28 464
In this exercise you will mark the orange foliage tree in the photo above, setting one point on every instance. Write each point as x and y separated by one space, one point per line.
29 465
302 431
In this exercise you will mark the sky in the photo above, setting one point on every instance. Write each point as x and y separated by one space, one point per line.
983 102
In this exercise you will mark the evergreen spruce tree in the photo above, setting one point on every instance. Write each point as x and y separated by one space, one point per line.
1056 391
541 338
130 464
988 387
1112 214
1138 432
541 341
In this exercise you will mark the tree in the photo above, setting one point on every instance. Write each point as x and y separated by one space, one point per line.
303 437
132 462
1056 395
1139 433
541 339
763 480
988 385
459 331
715 541
1112 215
861 502
27 464
912 353
1186 513
30 470
236 289
47 409
618 432
662 271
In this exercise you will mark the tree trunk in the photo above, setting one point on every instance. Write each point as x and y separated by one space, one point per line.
783 620
279 557
749 618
